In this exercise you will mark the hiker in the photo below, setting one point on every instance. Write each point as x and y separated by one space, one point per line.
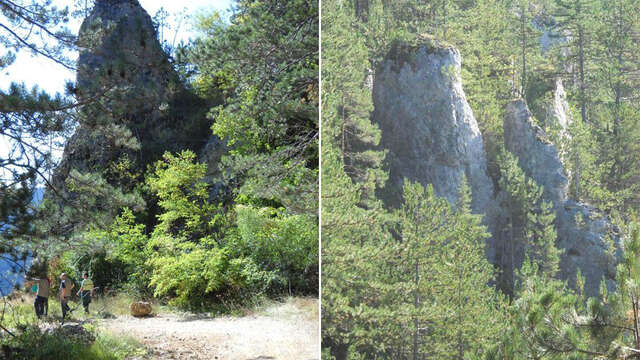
86 291
65 291
41 303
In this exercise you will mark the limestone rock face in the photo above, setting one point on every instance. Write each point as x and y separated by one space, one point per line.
118 48
537 156
136 104
427 124
559 110
586 236
433 138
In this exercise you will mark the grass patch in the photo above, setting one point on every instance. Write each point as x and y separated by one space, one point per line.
109 346
32 342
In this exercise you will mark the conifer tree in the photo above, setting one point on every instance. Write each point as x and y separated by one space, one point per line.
576 16
356 246
541 238
529 226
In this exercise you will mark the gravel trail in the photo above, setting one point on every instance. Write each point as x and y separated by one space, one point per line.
282 331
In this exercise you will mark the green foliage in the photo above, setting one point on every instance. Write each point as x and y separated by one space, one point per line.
32 344
270 114
197 257
529 223
64 263
286 245
37 27
550 321
593 51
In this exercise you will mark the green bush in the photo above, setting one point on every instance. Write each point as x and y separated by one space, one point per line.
285 244
33 344
105 271
63 264
200 255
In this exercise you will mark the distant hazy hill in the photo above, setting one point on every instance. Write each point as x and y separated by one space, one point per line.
12 271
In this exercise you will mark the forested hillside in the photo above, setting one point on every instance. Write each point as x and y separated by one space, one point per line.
525 248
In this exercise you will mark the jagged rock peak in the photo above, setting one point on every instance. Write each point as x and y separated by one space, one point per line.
427 125
537 156
111 3
119 47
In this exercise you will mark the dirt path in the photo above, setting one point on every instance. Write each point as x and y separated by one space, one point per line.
283 331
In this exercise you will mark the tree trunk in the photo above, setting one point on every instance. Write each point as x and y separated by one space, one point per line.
444 19
583 102
416 301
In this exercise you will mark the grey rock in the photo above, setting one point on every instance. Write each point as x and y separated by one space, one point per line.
427 124
211 155
559 112
537 156
143 109
559 119
122 64
589 244
120 54
433 138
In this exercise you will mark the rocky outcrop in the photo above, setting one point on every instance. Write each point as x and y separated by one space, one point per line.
119 49
537 156
586 236
432 137
559 112
134 108
427 125
134 101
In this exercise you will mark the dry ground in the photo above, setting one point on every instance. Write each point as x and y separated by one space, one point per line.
280 331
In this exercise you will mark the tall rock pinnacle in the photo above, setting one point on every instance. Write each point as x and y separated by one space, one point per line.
586 236
427 124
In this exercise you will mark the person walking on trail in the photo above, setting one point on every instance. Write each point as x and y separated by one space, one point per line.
86 291
41 303
65 293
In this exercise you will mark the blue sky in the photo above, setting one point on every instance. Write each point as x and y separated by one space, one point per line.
49 76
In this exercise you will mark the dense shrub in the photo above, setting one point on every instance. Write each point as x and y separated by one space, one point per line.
199 255
284 244
33 344
64 263
105 271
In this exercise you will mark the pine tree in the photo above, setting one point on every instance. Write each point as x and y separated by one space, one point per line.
529 227
474 305
577 17
617 112
36 26
541 240
348 97
265 63
357 249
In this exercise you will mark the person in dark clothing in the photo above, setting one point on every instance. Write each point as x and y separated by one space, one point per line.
65 293
41 303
